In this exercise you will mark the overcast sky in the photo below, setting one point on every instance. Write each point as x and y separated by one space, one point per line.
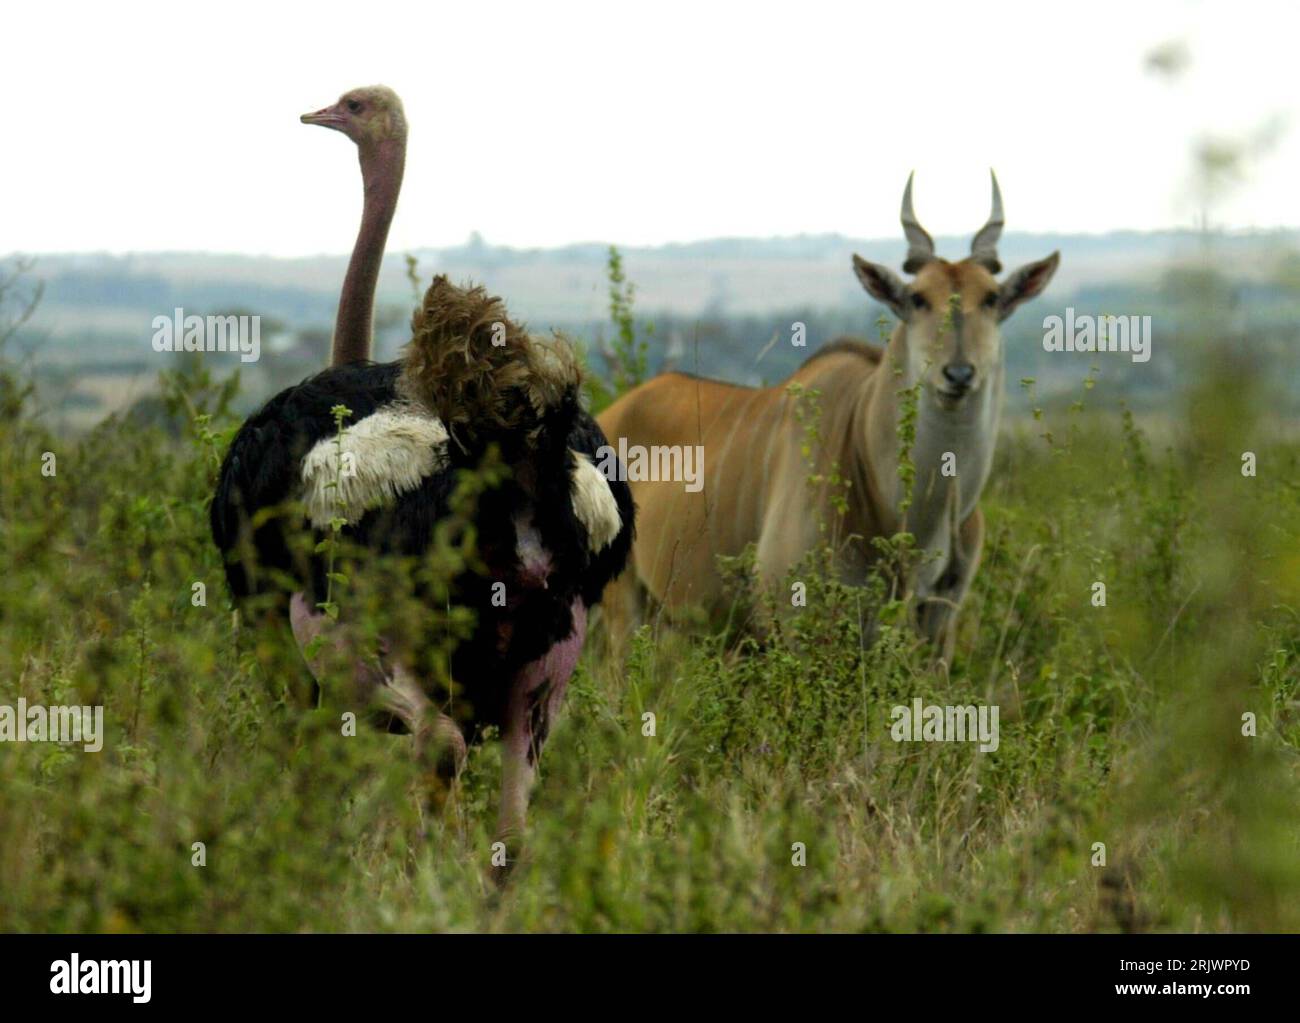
175 127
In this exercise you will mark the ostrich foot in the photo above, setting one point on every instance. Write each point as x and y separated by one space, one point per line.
439 744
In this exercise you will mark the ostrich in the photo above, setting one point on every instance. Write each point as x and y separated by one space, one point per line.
471 381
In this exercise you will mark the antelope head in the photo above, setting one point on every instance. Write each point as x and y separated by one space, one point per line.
951 312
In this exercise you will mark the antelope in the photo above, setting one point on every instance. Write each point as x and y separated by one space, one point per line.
944 355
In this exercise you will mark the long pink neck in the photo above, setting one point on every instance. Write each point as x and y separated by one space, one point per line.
381 172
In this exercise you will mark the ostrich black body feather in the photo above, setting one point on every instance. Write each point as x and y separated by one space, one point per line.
255 522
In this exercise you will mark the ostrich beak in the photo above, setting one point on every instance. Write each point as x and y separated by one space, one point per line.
326 117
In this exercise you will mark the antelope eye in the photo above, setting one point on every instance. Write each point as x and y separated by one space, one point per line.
919 301
354 106
990 300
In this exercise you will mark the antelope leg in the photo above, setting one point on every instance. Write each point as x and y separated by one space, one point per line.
937 615
622 611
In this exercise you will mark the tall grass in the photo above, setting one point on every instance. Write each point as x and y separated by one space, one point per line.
1121 725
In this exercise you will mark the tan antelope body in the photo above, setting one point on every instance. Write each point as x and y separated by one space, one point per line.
946 349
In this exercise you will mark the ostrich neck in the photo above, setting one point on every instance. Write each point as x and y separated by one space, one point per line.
381 173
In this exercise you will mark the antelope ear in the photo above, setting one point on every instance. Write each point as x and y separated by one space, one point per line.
882 284
1025 283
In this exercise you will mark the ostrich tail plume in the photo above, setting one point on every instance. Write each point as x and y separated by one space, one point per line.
479 371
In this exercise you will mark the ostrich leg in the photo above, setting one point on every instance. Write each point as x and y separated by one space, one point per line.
535 697
438 740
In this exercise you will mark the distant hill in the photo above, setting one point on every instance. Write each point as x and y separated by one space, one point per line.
716 304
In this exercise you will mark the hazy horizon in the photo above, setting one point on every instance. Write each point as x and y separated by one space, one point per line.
604 244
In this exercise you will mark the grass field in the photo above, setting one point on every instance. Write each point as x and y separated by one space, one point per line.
1121 725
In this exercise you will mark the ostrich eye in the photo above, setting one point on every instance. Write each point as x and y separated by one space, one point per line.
990 300
919 301
354 106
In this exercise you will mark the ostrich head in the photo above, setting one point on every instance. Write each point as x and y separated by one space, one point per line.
368 116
